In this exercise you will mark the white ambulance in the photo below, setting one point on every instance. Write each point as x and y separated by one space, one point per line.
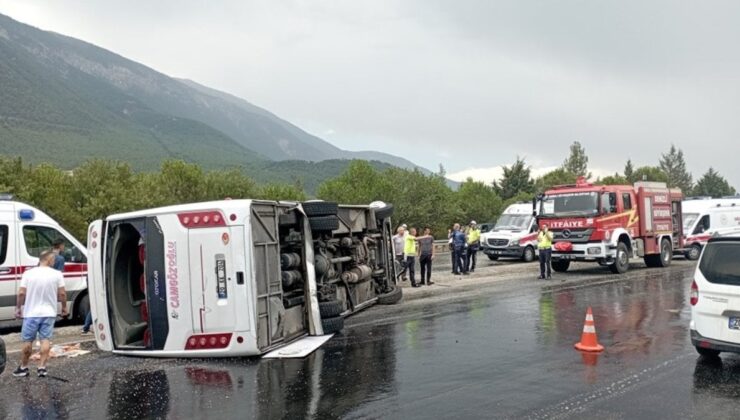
236 277
702 217
25 232
513 236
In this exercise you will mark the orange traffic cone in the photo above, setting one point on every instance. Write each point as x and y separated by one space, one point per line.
588 338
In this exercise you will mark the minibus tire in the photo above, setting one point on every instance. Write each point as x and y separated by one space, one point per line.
332 325
324 223
330 309
384 212
320 208
392 297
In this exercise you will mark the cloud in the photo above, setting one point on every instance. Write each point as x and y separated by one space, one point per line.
468 84
495 173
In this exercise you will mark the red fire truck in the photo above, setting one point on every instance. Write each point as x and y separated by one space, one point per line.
610 224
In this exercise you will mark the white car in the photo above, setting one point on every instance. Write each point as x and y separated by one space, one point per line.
715 298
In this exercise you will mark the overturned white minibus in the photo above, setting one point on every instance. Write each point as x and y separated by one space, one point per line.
235 277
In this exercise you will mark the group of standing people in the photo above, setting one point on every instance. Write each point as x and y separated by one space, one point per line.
407 247
464 246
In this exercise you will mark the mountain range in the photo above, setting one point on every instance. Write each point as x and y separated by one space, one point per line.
63 100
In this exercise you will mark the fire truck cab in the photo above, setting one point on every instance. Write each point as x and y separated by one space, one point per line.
610 224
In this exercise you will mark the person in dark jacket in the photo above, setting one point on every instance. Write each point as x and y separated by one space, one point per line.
426 255
459 243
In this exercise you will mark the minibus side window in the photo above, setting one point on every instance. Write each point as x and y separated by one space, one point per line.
40 238
3 243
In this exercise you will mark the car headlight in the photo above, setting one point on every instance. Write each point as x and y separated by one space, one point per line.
515 242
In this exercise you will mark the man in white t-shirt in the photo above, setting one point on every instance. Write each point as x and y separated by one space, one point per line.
41 288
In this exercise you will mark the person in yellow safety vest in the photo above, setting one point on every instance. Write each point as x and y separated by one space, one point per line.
544 243
473 246
409 251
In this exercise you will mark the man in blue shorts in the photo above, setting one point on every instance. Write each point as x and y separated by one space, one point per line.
40 290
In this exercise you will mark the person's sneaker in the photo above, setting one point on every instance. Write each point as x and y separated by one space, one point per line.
41 372
20 372
430 283
549 277
83 332
541 278
415 285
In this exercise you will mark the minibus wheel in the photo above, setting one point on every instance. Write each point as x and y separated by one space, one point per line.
324 223
330 309
392 297
320 208
332 325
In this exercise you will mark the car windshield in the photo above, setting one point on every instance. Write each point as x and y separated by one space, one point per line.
688 221
570 204
513 222
719 263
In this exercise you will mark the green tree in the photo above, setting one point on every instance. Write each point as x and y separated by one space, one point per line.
181 182
649 173
359 184
577 162
629 171
478 201
560 176
713 184
615 179
674 166
281 192
100 188
230 183
49 189
516 180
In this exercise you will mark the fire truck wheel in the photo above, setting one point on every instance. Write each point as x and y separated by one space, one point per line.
560 266
694 252
492 257
664 258
330 309
528 254
332 325
622 262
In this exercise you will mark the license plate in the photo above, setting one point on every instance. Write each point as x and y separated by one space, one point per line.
498 252
734 323
221 276
567 257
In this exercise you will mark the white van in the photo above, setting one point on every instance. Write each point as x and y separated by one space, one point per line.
24 233
514 235
235 277
704 216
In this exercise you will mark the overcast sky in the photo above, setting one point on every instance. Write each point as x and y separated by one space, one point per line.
469 84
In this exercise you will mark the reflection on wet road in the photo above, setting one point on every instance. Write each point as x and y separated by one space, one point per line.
508 355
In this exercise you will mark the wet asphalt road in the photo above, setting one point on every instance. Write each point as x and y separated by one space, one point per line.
507 353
